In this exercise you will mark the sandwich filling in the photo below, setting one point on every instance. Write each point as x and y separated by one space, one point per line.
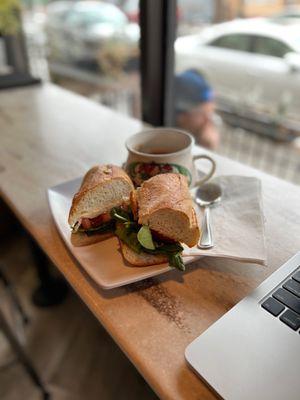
140 238
100 224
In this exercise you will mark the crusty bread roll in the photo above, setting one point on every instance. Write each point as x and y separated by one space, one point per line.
102 188
166 206
141 259
80 239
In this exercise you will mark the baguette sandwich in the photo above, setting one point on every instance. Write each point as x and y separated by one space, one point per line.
161 218
102 188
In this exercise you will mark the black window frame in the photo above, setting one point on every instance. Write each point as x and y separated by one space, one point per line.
157 60
17 59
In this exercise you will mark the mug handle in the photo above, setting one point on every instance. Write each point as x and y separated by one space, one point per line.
210 173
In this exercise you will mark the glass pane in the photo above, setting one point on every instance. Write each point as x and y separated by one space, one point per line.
89 47
234 42
4 67
270 47
237 80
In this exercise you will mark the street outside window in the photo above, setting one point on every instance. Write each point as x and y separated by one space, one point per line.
236 72
237 80
87 46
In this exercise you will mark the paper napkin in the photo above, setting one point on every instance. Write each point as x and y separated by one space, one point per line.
237 221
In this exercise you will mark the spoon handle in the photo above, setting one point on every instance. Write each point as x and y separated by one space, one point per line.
206 239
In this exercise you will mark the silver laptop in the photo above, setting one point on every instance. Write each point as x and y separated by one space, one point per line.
253 351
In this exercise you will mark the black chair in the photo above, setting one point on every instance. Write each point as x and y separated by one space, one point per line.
12 338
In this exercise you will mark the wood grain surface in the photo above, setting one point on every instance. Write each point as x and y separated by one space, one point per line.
47 136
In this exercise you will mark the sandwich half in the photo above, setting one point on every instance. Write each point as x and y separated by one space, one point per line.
103 188
161 218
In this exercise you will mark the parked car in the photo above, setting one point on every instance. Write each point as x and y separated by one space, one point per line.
76 32
253 65
131 9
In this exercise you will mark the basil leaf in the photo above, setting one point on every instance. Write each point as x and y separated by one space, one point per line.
175 260
128 237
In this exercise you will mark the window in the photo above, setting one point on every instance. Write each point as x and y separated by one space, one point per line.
238 42
235 104
270 47
232 101
88 47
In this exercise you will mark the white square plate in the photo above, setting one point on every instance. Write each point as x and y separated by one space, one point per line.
103 261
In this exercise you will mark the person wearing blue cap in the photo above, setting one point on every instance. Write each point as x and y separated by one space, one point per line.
194 108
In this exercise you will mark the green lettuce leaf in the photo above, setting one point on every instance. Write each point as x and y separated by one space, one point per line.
144 236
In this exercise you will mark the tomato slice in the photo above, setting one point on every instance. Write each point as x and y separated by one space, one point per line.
88 223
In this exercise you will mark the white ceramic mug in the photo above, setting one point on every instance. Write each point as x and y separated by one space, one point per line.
162 150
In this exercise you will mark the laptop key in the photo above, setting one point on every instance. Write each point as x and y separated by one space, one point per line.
297 276
288 299
273 306
293 287
291 319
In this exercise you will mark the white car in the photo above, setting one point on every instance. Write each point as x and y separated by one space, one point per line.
77 31
252 64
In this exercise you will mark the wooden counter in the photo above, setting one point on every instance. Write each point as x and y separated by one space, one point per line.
47 136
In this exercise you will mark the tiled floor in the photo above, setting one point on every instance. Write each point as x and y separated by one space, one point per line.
74 355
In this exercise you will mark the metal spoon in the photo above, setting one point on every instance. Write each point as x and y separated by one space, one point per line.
206 195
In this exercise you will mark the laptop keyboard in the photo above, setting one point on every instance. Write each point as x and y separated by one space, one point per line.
285 302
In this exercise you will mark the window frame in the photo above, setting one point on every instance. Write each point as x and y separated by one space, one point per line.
157 60
17 58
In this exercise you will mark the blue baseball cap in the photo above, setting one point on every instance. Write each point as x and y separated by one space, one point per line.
191 89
